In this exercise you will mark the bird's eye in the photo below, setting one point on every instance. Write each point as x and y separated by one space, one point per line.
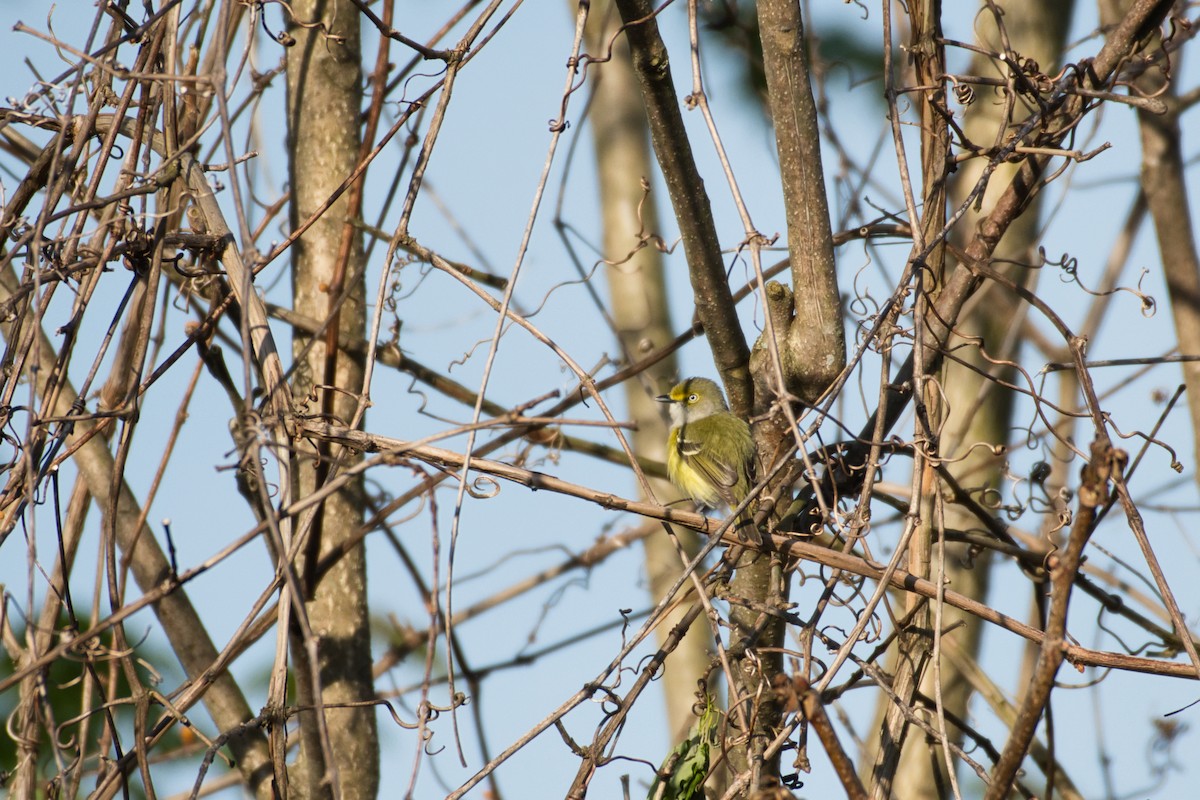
693 398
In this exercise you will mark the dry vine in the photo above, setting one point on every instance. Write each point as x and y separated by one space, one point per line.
928 401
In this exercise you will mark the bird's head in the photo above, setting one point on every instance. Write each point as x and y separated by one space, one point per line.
692 399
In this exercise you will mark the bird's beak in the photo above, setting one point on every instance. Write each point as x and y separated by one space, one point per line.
664 398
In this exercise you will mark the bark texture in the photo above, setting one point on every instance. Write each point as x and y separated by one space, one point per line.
324 106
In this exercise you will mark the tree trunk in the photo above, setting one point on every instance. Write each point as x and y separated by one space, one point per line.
323 110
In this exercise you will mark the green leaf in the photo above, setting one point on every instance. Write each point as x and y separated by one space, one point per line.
687 765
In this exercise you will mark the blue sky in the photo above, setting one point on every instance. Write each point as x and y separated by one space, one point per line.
485 170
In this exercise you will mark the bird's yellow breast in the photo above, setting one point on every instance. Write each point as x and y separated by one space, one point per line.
691 481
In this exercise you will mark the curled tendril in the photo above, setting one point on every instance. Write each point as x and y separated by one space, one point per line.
963 92
428 746
1063 520
857 529
837 630
990 497
484 487
873 632
1149 304
1013 512
862 300
396 718
1069 265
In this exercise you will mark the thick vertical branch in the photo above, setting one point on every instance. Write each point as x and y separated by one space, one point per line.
323 110
810 348
710 288
639 310
111 175
815 348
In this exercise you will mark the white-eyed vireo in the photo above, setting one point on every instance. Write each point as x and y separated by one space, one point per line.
709 449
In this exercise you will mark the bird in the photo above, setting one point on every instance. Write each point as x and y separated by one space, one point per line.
709 449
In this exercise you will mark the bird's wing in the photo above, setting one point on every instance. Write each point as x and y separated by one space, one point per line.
722 475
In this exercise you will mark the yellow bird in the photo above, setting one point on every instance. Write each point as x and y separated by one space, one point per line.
709 449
